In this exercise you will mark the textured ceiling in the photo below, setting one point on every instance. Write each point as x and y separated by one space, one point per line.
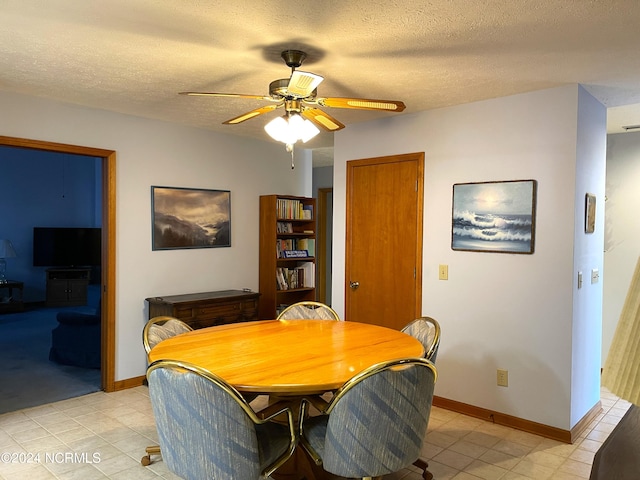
133 56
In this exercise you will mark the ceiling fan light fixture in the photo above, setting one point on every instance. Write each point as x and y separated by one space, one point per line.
289 130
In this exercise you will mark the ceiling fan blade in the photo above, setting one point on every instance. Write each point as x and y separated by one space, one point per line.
302 84
231 95
361 104
251 114
322 119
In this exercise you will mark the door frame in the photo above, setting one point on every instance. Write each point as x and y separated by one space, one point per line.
108 267
351 165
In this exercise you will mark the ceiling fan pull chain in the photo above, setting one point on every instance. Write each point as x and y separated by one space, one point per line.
289 148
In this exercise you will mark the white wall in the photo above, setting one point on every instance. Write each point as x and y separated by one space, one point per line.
587 256
505 311
158 153
622 234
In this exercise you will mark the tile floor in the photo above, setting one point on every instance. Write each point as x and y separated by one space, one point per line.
103 435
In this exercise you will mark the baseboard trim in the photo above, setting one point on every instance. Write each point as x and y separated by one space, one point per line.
129 383
565 436
585 421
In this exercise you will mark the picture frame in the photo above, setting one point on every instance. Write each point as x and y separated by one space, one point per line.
590 213
190 218
496 216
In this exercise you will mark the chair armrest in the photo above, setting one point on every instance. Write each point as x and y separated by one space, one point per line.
301 438
293 438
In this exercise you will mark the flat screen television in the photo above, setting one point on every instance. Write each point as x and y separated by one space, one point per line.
66 247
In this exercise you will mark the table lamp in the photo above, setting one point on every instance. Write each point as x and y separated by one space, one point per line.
6 251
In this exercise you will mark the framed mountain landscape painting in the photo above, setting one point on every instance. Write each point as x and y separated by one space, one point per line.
190 218
494 216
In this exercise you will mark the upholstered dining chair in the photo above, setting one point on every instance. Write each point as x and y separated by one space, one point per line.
376 422
308 310
207 430
427 331
160 328
155 330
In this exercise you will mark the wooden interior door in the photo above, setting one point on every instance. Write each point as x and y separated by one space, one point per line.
384 240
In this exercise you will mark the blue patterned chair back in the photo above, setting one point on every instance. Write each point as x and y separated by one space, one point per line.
308 311
427 331
376 423
161 328
207 430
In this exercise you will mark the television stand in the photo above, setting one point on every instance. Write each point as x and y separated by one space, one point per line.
67 287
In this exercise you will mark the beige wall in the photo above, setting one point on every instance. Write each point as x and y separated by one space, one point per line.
522 313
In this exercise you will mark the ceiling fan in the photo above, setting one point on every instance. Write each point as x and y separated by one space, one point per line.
299 97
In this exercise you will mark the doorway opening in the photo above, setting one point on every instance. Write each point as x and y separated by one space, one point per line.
104 287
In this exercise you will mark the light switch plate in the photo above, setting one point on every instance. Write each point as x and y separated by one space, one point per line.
443 272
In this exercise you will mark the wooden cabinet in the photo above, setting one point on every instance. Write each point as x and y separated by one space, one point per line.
287 252
207 309
67 287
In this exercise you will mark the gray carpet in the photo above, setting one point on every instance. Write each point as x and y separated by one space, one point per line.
27 377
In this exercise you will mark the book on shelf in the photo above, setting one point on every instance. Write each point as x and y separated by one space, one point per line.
284 227
309 275
307 212
280 279
308 244
302 276
295 254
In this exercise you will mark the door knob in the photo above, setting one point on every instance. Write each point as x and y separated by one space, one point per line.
354 285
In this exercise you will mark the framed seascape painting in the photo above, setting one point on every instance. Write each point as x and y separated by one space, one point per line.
190 218
494 216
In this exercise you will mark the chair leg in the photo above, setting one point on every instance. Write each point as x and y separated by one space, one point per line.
422 465
146 460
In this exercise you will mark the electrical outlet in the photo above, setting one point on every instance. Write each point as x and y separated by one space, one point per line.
503 378
443 272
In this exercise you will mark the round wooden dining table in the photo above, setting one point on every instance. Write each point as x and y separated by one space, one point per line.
288 357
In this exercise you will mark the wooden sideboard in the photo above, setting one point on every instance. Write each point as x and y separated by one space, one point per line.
207 309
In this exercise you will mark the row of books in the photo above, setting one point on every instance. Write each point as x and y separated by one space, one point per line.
295 245
284 227
287 227
293 209
303 276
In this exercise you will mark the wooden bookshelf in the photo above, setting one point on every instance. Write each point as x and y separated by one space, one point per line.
287 252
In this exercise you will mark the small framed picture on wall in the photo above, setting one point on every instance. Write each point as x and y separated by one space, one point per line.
590 213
